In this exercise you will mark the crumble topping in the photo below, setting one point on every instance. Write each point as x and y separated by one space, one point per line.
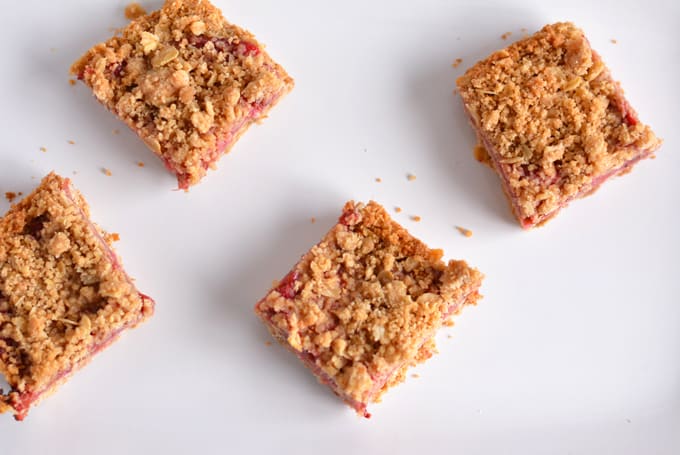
364 303
552 118
134 10
463 231
62 291
186 81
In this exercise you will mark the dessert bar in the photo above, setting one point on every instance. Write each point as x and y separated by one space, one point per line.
363 305
553 121
186 81
64 295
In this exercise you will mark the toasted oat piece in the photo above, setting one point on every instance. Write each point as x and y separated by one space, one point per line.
186 81
64 295
554 123
363 305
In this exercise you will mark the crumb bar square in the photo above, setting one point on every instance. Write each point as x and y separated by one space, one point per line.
553 121
64 295
363 305
186 81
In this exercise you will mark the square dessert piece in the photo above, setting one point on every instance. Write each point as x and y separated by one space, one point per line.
554 123
186 81
64 295
363 305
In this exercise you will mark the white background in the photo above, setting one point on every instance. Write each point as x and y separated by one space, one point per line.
575 348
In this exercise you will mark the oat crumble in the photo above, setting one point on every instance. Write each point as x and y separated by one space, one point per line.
134 11
186 81
362 306
553 122
63 293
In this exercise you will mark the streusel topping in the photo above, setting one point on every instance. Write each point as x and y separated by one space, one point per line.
553 117
186 81
364 301
62 290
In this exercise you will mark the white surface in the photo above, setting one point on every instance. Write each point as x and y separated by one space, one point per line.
573 350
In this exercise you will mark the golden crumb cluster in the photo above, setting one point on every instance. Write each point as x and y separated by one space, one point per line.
360 306
552 119
63 294
186 81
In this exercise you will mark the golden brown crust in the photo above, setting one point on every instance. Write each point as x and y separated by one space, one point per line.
364 301
554 121
63 294
187 81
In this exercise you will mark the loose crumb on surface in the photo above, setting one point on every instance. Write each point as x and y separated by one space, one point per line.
411 177
415 375
43 149
397 209
268 343
134 10
313 220
506 35
449 323
378 179
416 218
465 232
72 81
72 142
457 62
107 172
10 196
140 163
114 237
116 131
449 336
613 41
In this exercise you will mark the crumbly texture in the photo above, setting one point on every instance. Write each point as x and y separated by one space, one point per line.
364 303
63 293
186 81
554 122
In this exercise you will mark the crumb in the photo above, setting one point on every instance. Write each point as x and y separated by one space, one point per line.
134 10
465 232
449 336
457 62
75 172
397 209
415 375
506 35
449 323
455 91
653 157
267 343
378 179
107 172
523 30
313 220
482 155
20 193
416 218
72 81
43 149
10 196
613 41
411 177
140 163
72 142
116 131
114 237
